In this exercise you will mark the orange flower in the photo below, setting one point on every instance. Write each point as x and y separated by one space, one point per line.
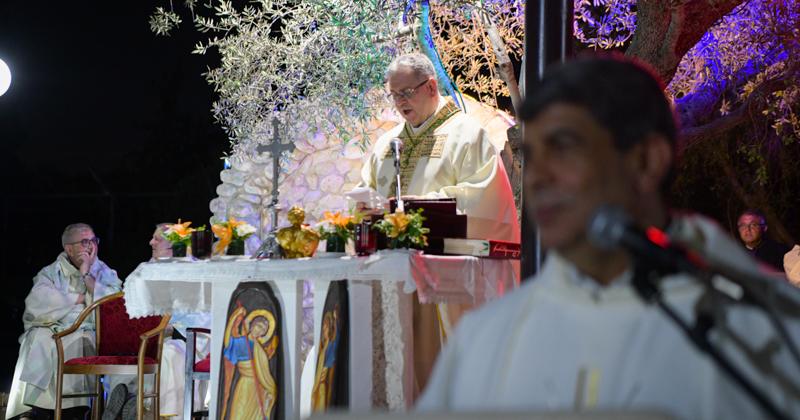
230 230
399 221
225 235
181 229
337 219
232 223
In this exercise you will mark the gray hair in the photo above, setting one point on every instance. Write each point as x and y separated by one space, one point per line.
417 62
65 237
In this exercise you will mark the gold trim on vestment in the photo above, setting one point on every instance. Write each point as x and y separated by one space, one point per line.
425 144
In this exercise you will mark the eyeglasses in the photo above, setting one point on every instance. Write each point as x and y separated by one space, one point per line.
750 226
405 93
86 242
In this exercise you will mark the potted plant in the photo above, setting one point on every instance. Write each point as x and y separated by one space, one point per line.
404 229
232 235
336 229
180 236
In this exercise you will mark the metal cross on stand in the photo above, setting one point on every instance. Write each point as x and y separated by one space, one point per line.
269 247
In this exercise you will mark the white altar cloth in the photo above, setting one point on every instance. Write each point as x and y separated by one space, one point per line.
181 285
165 285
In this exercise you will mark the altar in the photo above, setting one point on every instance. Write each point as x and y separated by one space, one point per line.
380 291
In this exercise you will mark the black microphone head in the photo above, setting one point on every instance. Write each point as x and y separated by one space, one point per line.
396 144
607 227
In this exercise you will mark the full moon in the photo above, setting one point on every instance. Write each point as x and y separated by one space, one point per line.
5 77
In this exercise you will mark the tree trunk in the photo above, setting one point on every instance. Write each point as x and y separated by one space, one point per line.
666 30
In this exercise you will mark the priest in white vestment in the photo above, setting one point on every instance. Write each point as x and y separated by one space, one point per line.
173 353
60 292
599 131
446 153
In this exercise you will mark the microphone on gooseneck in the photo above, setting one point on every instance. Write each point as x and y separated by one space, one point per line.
397 147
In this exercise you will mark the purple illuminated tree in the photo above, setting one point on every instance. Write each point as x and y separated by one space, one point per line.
731 67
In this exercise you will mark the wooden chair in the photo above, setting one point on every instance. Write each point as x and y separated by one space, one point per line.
125 346
195 371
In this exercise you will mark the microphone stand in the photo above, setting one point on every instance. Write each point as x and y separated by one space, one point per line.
400 204
645 284
768 296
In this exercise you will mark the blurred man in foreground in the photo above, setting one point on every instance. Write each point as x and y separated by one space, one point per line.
577 336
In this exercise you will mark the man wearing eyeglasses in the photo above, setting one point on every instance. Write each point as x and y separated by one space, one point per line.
446 153
60 292
752 226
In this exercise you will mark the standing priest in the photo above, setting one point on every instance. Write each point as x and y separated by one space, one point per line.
446 153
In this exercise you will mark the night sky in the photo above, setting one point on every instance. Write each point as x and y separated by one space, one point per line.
104 123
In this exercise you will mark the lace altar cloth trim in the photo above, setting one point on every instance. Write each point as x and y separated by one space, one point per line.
394 349
180 286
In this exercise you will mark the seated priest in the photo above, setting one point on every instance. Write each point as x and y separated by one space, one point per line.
600 132
446 153
122 400
173 356
60 292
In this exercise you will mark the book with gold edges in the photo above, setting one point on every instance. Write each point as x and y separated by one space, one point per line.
481 248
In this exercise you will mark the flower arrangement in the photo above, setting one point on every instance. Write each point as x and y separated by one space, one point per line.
179 233
404 230
231 234
337 225
180 236
337 228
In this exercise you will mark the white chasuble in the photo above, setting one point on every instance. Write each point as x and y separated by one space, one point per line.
449 155
49 308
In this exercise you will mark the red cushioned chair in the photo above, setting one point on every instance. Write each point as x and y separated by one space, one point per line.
125 346
200 371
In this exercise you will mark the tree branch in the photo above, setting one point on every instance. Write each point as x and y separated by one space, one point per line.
752 106
666 30
695 108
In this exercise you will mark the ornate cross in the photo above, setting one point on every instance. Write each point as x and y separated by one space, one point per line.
270 247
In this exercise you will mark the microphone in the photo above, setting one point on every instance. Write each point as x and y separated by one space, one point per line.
397 146
611 228
652 252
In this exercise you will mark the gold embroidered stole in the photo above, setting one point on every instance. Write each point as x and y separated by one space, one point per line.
424 144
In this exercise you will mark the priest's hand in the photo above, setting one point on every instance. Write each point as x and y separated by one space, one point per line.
86 259
89 281
81 299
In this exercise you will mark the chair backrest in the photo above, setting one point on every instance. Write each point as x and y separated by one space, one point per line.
120 335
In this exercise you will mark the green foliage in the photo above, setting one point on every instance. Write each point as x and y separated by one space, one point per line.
462 40
163 22
318 65
404 230
311 64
